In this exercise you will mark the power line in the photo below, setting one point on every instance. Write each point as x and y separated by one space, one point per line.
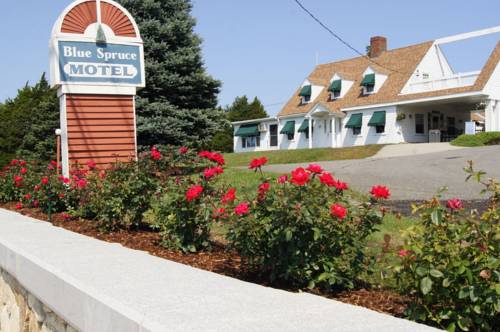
324 26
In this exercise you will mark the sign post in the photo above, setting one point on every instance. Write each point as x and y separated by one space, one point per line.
97 65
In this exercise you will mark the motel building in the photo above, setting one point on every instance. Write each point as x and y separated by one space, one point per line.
409 94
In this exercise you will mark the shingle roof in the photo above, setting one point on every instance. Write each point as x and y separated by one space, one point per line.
403 61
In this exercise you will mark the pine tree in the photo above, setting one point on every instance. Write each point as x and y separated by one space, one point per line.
239 110
177 106
28 122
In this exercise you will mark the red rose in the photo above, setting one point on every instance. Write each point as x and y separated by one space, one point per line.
327 178
36 203
211 172
205 154
183 150
61 196
65 180
218 158
50 168
82 183
339 185
300 177
18 178
403 253
241 209
193 193
257 163
263 189
380 192
313 168
14 162
23 170
218 213
282 179
27 197
19 205
338 211
22 163
230 196
454 204
102 174
91 164
37 187
155 154
53 163
66 216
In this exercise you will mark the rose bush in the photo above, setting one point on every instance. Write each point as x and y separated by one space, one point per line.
450 264
305 229
186 208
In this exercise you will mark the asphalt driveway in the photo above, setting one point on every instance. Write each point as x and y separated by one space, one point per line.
414 177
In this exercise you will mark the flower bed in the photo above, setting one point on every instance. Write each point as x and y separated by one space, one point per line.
304 230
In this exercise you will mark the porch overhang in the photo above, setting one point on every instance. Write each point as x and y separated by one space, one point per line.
466 97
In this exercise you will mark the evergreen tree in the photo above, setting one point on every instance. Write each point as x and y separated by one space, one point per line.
242 110
28 122
239 110
177 106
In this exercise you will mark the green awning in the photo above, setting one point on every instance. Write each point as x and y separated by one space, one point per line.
304 127
305 91
378 119
355 121
336 86
248 130
369 79
289 128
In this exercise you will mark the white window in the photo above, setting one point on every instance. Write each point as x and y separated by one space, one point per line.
250 142
305 99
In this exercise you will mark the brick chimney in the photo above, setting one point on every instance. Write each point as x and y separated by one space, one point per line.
378 45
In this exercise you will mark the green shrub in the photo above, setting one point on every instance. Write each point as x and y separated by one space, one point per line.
306 230
481 139
186 209
450 265
121 197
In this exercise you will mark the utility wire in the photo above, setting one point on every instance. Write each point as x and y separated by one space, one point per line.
324 26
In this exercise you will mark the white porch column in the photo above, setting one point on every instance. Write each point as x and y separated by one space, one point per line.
334 131
492 115
310 132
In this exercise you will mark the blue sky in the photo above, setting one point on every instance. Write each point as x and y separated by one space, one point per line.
266 48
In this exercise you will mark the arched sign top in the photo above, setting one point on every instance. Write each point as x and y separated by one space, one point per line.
81 15
96 44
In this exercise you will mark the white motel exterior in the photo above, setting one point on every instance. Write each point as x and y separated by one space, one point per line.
409 94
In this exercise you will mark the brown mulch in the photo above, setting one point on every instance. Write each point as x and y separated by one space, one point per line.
219 260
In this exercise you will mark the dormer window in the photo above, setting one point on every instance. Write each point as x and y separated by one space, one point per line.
305 94
335 89
368 84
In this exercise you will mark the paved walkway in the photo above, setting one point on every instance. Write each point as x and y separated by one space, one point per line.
413 149
63 268
416 176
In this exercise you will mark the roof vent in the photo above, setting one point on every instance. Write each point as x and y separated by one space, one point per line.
378 45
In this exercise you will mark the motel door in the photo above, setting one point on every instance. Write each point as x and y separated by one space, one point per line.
273 133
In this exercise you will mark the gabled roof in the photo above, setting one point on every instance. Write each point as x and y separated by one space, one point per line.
403 61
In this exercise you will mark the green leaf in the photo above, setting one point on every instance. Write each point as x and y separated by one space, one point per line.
288 235
437 216
317 233
446 282
425 285
323 276
421 271
477 309
451 328
472 295
463 293
436 273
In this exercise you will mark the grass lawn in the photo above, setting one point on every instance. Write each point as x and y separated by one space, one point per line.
245 182
481 139
303 155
